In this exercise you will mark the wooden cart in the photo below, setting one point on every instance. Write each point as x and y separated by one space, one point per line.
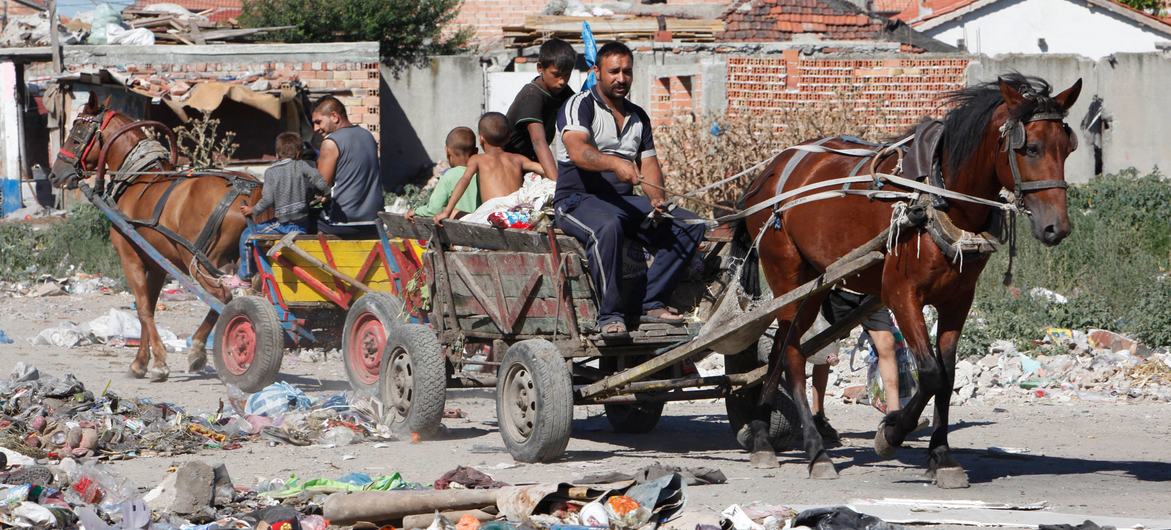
527 298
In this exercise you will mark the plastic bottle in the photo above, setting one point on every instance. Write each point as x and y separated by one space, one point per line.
338 436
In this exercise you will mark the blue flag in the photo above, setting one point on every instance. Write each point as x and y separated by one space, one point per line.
591 54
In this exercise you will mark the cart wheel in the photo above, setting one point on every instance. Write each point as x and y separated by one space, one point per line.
784 426
249 344
634 419
640 418
534 401
412 380
369 322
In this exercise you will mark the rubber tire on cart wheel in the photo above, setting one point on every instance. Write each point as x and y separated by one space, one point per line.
640 418
249 344
534 401
784 426
370 322
412 385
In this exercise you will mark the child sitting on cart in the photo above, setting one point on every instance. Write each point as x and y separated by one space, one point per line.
288 188
460 146
500 173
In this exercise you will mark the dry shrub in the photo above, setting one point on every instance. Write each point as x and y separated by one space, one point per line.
696 152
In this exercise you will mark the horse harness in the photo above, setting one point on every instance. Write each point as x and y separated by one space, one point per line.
146 154
918 168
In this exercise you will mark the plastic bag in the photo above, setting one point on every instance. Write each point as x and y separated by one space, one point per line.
277 399
908 374
103 16
115 34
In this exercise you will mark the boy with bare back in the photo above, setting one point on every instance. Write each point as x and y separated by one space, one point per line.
499 173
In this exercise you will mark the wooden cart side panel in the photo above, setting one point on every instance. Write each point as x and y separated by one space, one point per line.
349 256
510 274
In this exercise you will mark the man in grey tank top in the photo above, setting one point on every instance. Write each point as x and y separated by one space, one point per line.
349 163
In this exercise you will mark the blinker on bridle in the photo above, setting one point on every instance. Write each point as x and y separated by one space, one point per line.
1012 137
85 137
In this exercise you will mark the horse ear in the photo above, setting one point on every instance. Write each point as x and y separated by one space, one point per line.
1012 96
1067 98
91 105
106 102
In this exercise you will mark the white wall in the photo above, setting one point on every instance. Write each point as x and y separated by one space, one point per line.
1067 27
9 130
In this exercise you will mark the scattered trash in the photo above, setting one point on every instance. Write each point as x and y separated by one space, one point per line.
277 399
1008 452
4 338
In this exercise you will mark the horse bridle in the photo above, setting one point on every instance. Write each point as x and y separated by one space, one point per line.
1012 137
85 135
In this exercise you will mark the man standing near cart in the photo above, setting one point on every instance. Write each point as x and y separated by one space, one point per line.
604 147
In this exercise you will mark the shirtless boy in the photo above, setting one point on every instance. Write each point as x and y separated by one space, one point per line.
499 173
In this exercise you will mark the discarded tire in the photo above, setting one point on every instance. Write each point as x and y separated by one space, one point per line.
369 323
249 344
412 384
534 401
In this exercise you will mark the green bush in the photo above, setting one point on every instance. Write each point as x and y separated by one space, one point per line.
79 243
1109 269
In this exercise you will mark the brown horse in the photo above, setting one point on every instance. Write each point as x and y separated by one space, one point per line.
1007 134
170 210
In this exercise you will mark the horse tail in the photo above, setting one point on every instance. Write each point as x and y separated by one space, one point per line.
743 251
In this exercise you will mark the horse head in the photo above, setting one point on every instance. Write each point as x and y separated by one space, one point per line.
81 149
1036 141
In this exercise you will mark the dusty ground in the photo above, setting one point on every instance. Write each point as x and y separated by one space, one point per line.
1097 459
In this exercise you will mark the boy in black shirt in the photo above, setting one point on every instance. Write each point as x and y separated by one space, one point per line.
533 114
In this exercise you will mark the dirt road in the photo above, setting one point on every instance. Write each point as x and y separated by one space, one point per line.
1097 459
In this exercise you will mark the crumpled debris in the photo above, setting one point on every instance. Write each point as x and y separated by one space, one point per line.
464 477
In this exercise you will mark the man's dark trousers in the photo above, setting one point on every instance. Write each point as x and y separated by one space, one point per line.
602 222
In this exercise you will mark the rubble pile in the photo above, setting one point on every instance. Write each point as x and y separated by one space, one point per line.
1067 365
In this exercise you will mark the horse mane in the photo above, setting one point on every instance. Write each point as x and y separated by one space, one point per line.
972 108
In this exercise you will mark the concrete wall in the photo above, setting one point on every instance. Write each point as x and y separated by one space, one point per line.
1133 92
420 106
424 103
1066 26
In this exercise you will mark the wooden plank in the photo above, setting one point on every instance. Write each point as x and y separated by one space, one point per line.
524 299
477 292
537 308
473 235
515 269
836 273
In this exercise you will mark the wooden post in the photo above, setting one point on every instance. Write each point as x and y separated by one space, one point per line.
58 67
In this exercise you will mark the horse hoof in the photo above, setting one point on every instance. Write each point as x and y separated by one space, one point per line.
137 373
951 478
158 375
764 460
884 449
823 470
196 361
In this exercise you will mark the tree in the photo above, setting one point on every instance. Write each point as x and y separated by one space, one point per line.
1154 7
408 31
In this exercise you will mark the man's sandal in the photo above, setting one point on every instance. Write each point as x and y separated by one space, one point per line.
614 330
665 315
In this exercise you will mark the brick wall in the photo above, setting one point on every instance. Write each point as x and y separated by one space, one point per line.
674 97
362 80
890 93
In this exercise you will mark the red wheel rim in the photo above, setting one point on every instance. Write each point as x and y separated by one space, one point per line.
367 338
239 345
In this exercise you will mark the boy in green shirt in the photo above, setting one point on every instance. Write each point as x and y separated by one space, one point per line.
460 146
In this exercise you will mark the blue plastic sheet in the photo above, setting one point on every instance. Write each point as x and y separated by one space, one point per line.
591 55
